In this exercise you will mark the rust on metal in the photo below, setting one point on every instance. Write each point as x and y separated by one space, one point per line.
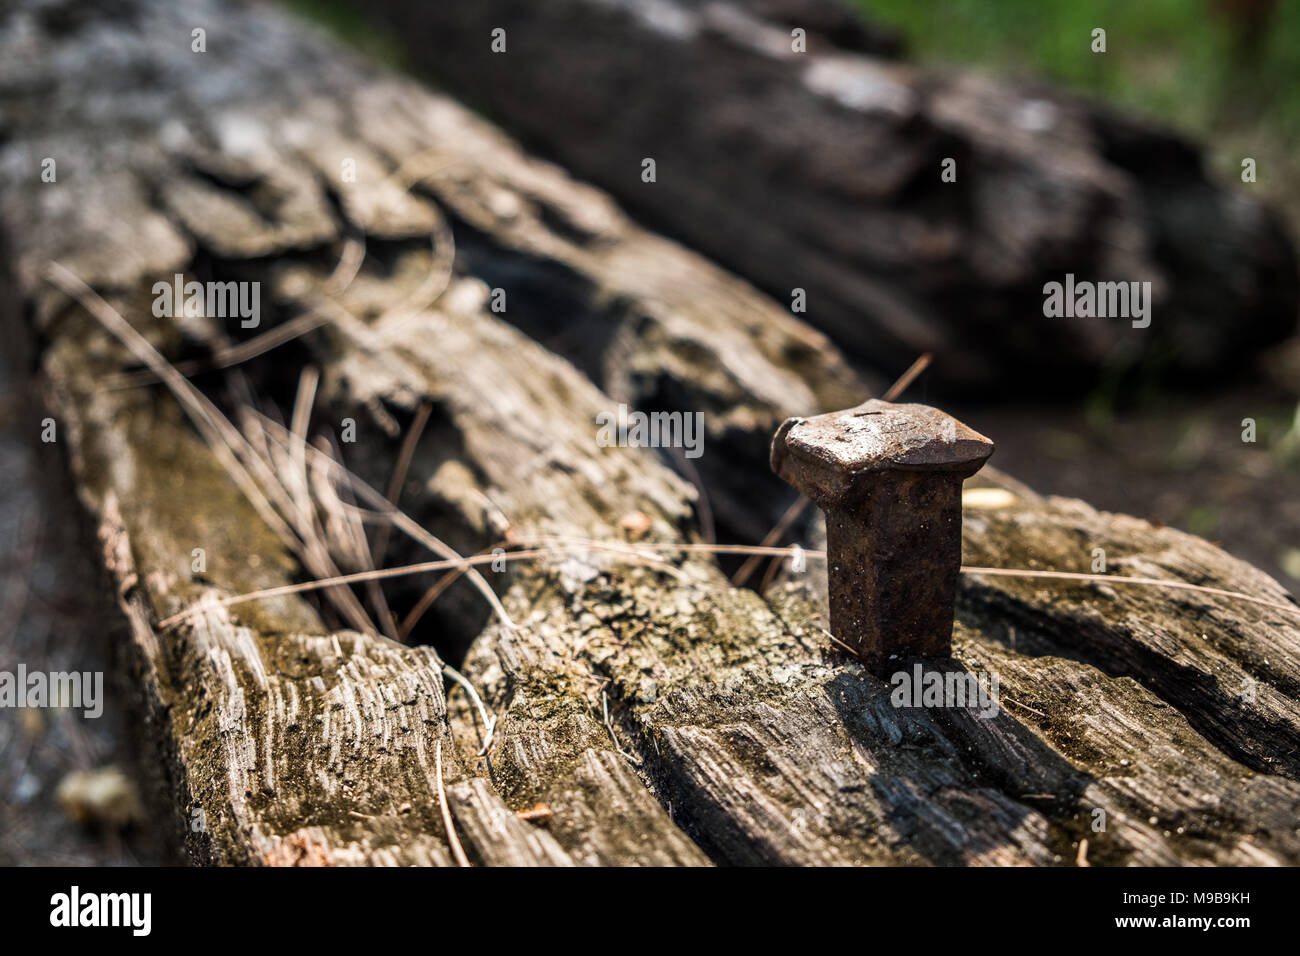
888 480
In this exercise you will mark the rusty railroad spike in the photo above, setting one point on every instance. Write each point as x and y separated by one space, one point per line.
888 480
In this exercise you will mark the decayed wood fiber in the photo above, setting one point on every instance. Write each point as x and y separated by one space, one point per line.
661 715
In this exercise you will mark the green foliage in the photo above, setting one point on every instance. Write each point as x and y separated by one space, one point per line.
1179 58
348 22
1191 63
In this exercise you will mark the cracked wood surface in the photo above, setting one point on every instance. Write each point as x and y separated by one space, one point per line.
661 715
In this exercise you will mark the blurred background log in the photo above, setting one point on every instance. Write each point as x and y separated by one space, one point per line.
821 170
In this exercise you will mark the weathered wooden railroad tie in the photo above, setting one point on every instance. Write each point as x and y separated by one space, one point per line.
662 715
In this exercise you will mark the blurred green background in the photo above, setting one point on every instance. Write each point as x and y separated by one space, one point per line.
1225 72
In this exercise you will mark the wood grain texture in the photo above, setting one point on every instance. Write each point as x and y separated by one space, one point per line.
661 715
299 744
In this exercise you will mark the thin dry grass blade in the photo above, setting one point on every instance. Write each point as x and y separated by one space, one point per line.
907 378
547 552
782 525
400 470
240 460
227 357
454 841
400 519
707 528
